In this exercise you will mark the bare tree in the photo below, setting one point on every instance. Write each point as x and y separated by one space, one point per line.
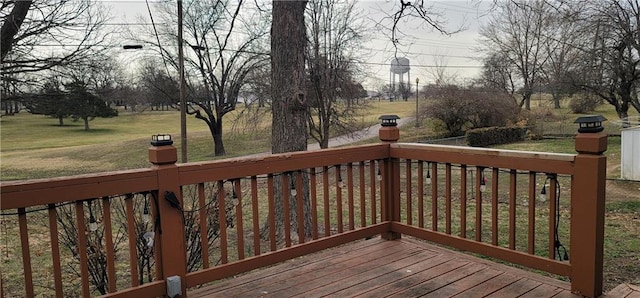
403 91
157 88
335 29
498 74
563 35
516 33
224 46
611 61
73 29
439 72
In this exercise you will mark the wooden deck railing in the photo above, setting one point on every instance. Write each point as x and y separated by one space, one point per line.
201 222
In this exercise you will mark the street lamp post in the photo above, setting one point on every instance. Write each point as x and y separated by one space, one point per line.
417 118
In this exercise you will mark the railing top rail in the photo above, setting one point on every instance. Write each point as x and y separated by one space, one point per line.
27 193
522 160
277 163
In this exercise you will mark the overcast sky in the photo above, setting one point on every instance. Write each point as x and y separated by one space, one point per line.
421 45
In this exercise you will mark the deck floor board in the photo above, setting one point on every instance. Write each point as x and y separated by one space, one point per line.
379 268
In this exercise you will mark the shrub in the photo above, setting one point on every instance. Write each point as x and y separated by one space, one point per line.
486 136
462 108
583 104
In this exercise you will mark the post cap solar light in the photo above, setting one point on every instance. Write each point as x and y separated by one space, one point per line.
389 120
590 123
161 140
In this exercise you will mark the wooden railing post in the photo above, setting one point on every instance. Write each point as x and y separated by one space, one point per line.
163 156
587 210
389 133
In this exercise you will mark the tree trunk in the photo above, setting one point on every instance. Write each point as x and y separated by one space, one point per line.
12 25
326 127
60 120
86 123
556 100
289 105
216 133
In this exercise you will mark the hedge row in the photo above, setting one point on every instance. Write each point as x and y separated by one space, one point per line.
486 136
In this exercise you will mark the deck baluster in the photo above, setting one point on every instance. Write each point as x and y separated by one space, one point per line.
512 208
314 202
55 253
350 199
408 191
26 255
463 201
108 238
339 183
363 206
202 215
421 194
494 205
532 213
434 196
237 201
257 250
447 187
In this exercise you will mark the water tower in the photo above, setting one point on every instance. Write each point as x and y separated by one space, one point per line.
399 66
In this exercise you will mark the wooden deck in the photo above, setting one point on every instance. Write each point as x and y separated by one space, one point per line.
380 268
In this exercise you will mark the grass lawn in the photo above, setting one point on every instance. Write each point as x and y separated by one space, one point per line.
34 146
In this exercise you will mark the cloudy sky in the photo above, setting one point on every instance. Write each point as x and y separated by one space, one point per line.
423 46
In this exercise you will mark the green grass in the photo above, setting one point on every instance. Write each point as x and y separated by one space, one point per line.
34 146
